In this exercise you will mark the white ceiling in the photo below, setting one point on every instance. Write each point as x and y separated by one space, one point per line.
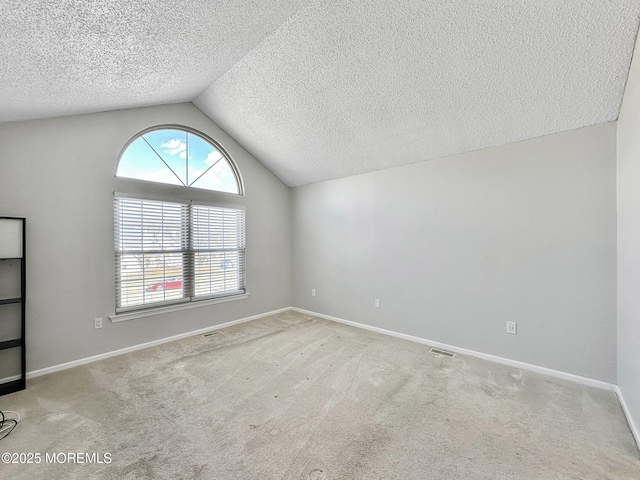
63 57
325 89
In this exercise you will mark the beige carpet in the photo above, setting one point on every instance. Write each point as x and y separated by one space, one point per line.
296 397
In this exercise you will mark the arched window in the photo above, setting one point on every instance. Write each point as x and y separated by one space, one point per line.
179 156
170 250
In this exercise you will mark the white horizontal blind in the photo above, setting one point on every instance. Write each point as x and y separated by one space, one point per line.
151 247
172 252
218 257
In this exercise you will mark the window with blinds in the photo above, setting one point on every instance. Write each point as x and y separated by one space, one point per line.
168 252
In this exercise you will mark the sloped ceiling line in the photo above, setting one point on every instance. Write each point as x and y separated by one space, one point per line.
322 89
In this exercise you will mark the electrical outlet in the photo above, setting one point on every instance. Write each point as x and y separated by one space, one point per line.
97 323
313 292
511 328
377 303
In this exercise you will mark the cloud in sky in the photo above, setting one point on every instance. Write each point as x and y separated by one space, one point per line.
211 178
175 146
213 157
221 179
161 176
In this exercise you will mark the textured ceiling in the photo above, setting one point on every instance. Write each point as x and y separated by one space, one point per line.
62 57
344 88
325 89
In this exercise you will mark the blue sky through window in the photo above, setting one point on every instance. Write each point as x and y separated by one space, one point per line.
177 157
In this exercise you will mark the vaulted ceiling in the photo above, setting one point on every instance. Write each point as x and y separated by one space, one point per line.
324 89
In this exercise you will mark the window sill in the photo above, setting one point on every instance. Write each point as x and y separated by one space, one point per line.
121 317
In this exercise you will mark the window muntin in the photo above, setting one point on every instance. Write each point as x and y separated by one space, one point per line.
168 252
178 156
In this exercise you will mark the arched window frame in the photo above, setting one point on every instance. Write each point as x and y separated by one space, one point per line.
193 131
194 197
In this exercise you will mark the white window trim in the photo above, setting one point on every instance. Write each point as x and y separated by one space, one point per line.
140 311
156 191
180 199
151 311
193 131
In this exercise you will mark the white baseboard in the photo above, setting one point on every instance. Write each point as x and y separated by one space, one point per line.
114 353
635 431
634 428
463 351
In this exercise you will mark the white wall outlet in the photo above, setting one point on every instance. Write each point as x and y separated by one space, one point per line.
376 303
313 292
97 323
511 328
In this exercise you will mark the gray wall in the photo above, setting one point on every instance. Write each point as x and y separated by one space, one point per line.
59 173
455 247
629 244
452 247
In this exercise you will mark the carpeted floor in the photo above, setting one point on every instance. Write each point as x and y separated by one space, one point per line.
297 397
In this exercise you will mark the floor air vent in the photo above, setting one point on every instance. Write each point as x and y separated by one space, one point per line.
208 334
444 353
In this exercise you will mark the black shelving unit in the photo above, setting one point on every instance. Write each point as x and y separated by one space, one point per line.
10 229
